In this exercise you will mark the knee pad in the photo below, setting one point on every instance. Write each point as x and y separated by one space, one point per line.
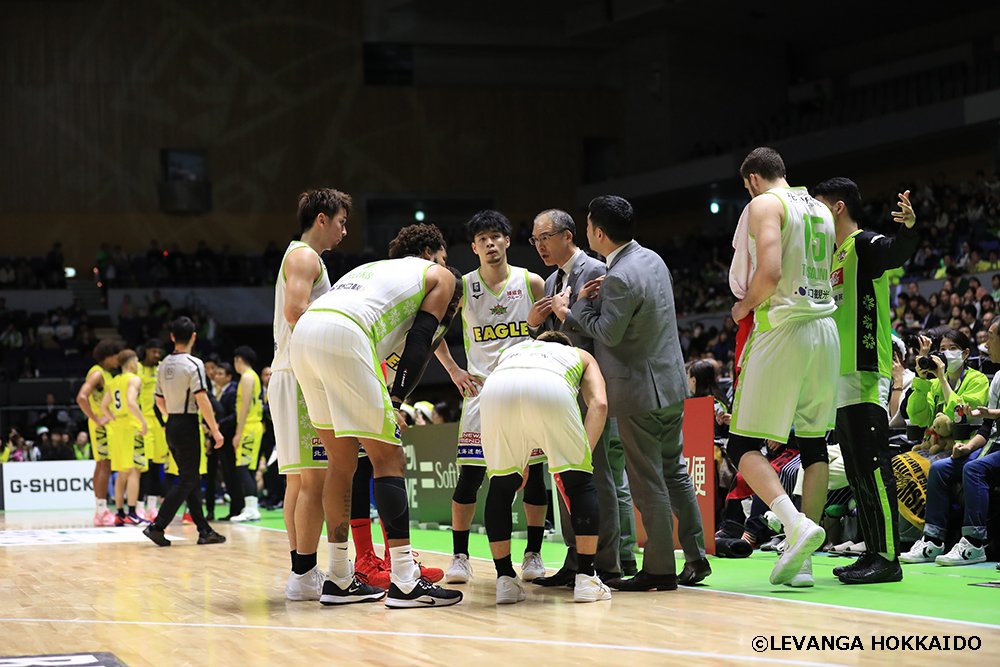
470 478
499 500
534 489
393 507
739 445
813 450
582 494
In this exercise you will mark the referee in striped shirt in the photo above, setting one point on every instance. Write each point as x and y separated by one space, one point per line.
181 391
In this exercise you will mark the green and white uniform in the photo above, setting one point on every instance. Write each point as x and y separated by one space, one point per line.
491 323
295 441
528 402
339 343
790 364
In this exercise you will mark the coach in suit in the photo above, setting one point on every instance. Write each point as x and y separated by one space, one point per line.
553 238
630 315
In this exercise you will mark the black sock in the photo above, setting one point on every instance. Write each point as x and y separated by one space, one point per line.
974 541
504 566
585 564
535 535
131 509
460 540
295 559
304 563
121 512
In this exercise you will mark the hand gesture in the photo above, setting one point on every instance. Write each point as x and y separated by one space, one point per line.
539 311
897 371
985 413
592 288
401 420
144 428
905 215
925 346
560 303
961 450
468 385
217 437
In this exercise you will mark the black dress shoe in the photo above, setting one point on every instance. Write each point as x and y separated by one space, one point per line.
606 576
878 571
643 581
629 568
694 571
564 577
864 561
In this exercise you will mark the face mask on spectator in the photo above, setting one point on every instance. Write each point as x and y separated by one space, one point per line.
954 358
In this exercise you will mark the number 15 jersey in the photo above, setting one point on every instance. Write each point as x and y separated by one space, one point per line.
808 238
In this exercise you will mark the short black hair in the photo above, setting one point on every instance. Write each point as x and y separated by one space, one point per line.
153 344
412 240
553 336
182 329
956 337
842 189
970 310
246 353
227 368
106 348
765 162
322 200
487 221
614 215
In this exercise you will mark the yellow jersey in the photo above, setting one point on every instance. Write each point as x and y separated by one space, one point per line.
146 397
119 397
97 396
256 413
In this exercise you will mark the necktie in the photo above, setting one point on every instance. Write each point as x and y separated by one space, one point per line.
560 277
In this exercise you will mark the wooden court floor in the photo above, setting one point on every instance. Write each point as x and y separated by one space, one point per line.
224 605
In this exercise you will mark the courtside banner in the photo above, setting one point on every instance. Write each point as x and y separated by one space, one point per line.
48 485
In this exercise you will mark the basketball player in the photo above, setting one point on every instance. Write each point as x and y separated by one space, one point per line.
249 431
155 439
790 365
495 305
126 425
336 351
861 291
89 399
529 401
302 278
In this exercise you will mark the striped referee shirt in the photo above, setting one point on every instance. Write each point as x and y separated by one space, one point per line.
180 378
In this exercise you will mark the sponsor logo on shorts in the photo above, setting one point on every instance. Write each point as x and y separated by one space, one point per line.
469 438
319 453
470 452
500 331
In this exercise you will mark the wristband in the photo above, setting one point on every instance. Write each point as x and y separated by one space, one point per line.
396 405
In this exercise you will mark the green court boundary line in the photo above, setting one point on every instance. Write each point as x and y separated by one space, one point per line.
705 589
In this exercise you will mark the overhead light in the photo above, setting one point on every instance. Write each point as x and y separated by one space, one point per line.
419 215
70 272
714 207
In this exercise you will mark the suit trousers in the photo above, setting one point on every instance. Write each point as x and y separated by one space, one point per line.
608 519
661 486
626 513
185 445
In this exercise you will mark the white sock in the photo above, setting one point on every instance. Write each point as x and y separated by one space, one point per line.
140 506
404 568
785 509
251 502
340 564
151 502
102 505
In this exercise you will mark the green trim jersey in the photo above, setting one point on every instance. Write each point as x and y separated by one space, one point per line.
382 298
282 329
807 240
492 322
863 316
563 360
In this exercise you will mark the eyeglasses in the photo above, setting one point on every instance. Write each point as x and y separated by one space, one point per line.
542 238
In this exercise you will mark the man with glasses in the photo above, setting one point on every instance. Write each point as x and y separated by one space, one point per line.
554 237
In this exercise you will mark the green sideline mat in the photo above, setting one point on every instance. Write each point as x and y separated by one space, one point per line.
927 590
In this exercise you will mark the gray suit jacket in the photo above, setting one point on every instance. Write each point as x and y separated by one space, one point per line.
584 268
634 325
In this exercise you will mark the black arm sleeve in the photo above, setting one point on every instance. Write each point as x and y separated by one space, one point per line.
987 428
877 254
415 355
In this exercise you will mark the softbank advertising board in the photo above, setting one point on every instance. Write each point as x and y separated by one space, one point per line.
47 485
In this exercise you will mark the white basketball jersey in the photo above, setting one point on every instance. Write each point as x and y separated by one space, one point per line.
493 322
563 360
282 329
808 238
382 298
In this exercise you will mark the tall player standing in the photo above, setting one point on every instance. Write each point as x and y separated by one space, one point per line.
156 438
89 399
791 363
302 278
495 305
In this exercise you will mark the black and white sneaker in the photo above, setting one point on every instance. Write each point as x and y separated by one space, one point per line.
356 591
423 594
